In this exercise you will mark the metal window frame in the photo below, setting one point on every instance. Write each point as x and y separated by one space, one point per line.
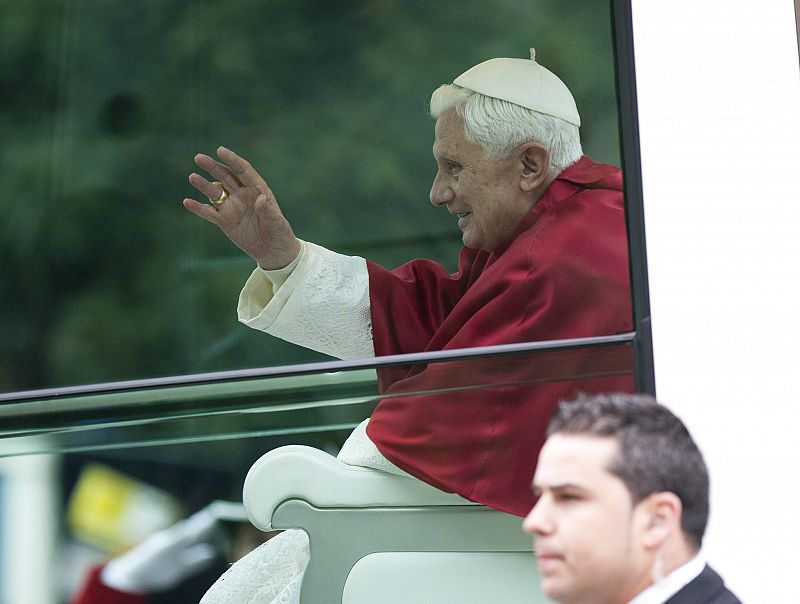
627 108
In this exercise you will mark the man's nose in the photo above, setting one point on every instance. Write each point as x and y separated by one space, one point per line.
536 522
441 193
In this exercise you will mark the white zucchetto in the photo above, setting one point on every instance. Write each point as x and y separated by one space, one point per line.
522 82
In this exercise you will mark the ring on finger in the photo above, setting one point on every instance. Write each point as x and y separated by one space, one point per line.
223 196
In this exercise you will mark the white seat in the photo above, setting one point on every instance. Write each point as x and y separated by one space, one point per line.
378 537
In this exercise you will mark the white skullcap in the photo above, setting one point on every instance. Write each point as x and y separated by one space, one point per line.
522 82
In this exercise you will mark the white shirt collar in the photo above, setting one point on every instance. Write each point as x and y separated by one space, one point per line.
663 589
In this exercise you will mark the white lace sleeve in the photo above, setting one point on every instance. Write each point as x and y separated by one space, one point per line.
359 450
270 574
323 304
273 572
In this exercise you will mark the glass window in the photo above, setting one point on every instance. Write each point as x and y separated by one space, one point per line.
107 277
135 462
121 357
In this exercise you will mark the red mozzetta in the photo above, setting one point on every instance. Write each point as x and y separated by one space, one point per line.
564 274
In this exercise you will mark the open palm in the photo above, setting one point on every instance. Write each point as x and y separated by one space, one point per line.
250 216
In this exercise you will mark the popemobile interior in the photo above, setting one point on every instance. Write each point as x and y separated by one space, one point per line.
130 396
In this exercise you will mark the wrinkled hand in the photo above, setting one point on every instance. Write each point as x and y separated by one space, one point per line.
167 557
250 216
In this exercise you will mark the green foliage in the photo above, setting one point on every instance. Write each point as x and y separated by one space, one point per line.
104 104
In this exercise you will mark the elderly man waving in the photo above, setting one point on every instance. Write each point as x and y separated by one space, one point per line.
544 258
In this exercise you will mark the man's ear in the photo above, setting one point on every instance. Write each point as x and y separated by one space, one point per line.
660 516
535 159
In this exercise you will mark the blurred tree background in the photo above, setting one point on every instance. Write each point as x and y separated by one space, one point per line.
103 105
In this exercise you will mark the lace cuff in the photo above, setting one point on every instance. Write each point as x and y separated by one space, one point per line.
359 450
323 304
279 276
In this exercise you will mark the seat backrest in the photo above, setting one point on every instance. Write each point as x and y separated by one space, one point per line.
308 474
436 577
363 523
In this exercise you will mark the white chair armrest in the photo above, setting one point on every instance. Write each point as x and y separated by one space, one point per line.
300 472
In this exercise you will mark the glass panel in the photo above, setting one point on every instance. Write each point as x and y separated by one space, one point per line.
107 277
216 406
129 473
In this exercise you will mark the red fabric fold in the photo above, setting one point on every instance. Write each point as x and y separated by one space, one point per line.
94 591
563 275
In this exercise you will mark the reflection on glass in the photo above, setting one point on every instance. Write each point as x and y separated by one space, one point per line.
106 277
217 431
285 407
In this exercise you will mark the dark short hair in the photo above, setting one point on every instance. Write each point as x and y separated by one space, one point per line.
656 451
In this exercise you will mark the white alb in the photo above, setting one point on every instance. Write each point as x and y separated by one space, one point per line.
320 301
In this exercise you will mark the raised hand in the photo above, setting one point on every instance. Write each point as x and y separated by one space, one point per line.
249 215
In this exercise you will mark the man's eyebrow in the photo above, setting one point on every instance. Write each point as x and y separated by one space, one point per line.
444 154
557 488
440 153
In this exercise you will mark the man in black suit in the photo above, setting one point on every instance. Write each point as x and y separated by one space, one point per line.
622 507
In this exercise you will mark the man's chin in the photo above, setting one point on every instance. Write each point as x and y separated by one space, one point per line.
554 583
469 243
555 589
475 243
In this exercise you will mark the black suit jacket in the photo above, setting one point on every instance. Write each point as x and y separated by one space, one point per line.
707 588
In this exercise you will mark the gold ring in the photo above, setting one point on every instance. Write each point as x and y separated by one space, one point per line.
219 201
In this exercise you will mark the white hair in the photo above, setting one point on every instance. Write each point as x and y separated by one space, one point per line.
500 126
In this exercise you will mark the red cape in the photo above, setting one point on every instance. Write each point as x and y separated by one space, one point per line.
476 427
94 591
